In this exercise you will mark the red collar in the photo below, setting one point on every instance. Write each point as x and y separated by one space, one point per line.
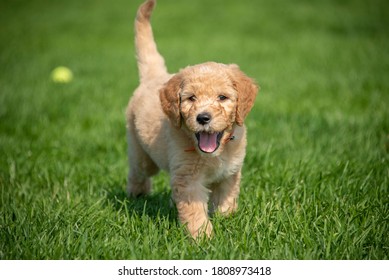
230 137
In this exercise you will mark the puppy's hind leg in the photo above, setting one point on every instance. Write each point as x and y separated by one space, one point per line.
224 195
141 168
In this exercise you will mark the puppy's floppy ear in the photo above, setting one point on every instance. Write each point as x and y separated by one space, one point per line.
169 95
247 90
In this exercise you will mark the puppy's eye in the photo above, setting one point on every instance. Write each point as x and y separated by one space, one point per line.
222 97
192 98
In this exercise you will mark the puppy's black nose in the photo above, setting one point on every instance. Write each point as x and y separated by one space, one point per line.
203 118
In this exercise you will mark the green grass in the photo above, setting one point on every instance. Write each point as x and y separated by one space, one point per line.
316 176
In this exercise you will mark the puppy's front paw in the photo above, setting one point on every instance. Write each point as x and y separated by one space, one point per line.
194 216
228 207
199 231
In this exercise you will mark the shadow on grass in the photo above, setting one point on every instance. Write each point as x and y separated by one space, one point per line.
155 205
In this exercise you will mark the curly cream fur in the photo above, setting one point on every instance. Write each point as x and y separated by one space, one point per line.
162 122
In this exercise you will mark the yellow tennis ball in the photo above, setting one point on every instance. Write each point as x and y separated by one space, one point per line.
62 75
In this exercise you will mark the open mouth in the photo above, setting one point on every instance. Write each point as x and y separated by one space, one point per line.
209 142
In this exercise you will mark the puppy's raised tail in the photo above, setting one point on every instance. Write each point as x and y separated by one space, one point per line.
150 62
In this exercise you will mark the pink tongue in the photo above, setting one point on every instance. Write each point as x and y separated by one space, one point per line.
208 142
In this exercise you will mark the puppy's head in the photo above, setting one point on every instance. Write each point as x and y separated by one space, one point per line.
206 101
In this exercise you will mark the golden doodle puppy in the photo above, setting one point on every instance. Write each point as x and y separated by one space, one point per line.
190 124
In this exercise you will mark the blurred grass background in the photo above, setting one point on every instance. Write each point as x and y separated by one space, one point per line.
316 175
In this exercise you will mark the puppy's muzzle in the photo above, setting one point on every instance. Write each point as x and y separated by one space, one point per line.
208 142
